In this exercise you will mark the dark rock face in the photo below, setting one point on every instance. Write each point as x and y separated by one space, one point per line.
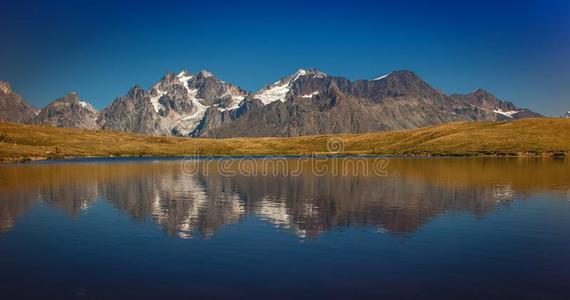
68 111
129 113
12 107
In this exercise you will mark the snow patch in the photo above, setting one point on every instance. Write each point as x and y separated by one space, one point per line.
382 77
188 123
183 77
508 114
319 75
200 108
278 91
154 100
237 100
299 73
83 104
310 95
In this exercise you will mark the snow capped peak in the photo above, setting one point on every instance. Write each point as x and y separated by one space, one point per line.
162 87
304 72
310 72
181 100
294 76
72 98
567 115
382 77
278 91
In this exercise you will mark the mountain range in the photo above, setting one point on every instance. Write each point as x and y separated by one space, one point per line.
304 103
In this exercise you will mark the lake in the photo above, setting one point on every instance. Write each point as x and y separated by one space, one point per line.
286 228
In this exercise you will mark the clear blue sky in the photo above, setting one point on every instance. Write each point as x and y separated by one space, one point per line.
518 50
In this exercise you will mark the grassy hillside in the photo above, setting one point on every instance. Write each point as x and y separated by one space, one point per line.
542 137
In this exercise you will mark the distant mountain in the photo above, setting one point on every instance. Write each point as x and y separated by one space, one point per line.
68 111
306 102
12 107
566 115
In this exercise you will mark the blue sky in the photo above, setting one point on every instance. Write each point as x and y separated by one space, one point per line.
518 50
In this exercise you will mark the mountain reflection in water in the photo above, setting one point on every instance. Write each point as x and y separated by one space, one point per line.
412 192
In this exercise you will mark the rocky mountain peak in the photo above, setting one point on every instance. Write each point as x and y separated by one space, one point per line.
70 97
205 74
136 92
482 93
174 105
68 111
312 72
407 74
12 107
396 84
399 75
167 78
5 87
566 115
405 77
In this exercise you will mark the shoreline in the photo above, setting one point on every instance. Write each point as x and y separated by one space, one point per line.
276 156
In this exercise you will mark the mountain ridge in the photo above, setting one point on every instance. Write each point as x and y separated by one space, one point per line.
13 108
305 102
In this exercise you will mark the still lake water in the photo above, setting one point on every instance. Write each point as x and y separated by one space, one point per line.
446 228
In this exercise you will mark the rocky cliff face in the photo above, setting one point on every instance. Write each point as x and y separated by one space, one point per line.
12 107
68 111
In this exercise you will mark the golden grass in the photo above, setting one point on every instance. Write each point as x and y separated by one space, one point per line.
540 137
